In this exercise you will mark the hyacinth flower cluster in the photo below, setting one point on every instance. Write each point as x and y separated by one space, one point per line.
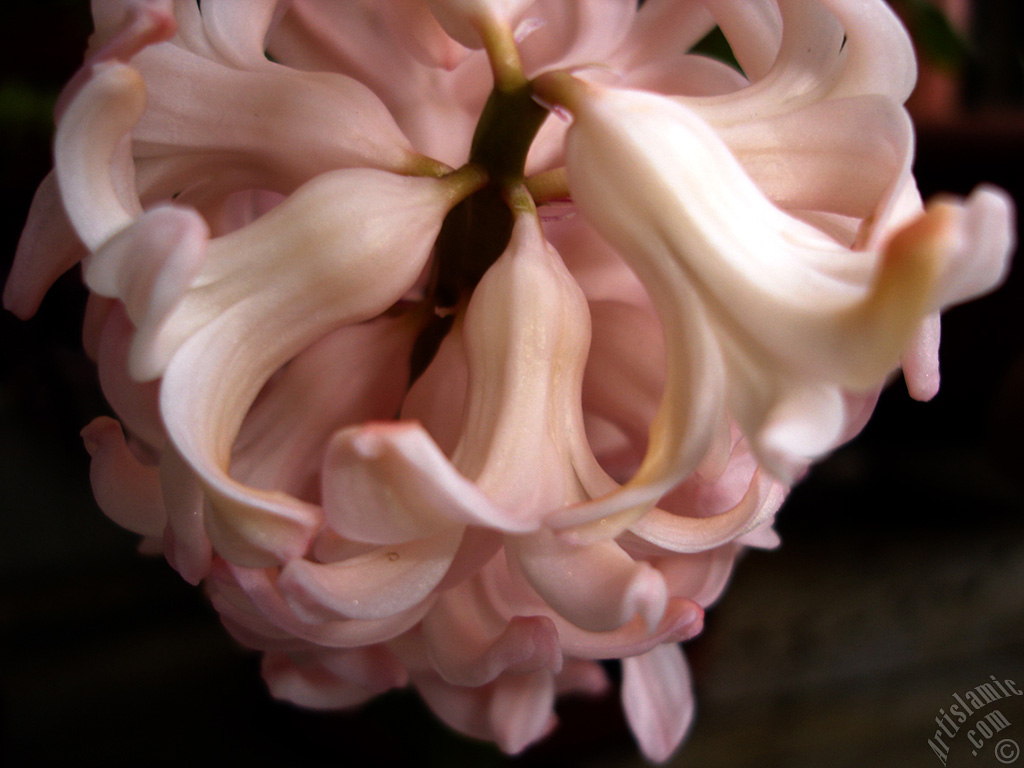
465 344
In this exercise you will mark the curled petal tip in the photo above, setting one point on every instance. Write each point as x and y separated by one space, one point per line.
90 172
259 530
367 446
95 431
377 585
900 297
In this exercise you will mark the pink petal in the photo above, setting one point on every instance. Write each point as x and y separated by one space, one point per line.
390 483
324 680
680 533
93 170
527 331
135 403
515 710
48 247
662 28
879 55
437 110
625 369
511 597
712 493
600 271
920 360
573 34
352 375
753 29
658 700
980 245
701 577
437 398
861 322
521 709
843 155
96 310
685 75
420 35
597 587
479 546
270 290
273 128
471 644
264 603
126 490
150 266
373 666
186 544
237 32
377 585
580 676
764 537
684 429
122 29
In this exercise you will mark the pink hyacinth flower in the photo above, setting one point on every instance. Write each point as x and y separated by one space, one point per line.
431 389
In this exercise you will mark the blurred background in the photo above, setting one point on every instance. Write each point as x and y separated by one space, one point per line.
900 580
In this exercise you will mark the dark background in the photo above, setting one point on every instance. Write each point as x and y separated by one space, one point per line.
900 580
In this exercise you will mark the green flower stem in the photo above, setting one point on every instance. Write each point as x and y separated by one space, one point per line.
549 186
507 127
503 55
477 230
